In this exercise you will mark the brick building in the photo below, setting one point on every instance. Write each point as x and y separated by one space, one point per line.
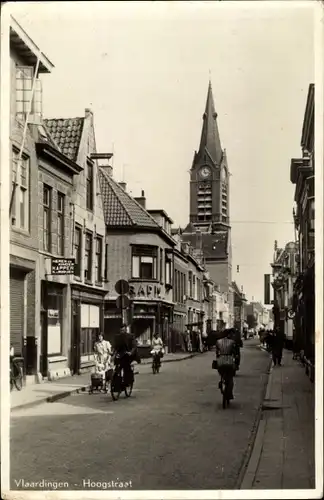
302 174
28 63
284 271
239 307
139 250
80 296
180 291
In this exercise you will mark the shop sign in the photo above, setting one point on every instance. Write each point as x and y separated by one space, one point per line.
62 266
52 313
145 291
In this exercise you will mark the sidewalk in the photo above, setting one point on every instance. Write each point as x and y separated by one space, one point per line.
283 455
32 395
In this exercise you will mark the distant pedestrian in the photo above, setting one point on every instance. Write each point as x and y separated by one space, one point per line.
277 347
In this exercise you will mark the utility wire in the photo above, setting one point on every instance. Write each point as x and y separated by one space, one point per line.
260 222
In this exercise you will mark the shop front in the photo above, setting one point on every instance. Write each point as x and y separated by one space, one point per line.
87 308
143 318
22 301
54 329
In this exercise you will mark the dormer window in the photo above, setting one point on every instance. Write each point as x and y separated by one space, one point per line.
26 101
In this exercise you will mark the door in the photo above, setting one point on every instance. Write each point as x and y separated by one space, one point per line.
17 282
44 323
75 338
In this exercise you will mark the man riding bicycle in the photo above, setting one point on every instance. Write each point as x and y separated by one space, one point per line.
225 353
125 348
157 347
236 336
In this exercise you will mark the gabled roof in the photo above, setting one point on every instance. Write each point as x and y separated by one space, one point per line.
67 134
210 140
120 209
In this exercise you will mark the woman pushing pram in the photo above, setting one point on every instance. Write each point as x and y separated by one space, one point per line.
103 365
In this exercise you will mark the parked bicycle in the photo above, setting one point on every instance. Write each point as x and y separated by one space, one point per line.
119 382
16 373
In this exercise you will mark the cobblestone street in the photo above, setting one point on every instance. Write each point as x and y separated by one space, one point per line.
171 434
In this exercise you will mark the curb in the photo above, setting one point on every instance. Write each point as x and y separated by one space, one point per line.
257 443
84 388
247 461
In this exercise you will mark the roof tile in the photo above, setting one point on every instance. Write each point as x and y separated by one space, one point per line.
67 134
120 209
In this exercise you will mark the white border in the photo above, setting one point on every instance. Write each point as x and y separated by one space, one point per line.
4 245
4 281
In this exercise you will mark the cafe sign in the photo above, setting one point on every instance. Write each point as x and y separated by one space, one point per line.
62 266
145 291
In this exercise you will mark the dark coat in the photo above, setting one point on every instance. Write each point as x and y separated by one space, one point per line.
125 342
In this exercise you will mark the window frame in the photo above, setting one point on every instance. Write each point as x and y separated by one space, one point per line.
168 269
98 259
60 223
106 263
140 252
77 251
24 105
47 209
90 186
19 188
161 266
88 257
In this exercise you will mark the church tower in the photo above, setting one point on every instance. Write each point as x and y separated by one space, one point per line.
209 230
209 176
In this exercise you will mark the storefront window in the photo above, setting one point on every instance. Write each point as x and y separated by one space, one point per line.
90 324
54 325
144 262
88 339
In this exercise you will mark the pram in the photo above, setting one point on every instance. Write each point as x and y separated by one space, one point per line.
100 378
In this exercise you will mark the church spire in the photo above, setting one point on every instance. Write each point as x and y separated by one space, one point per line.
210 140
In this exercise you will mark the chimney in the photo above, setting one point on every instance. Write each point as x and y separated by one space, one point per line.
103 156
123 185
141 200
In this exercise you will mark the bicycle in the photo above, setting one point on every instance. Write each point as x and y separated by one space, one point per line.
119 384
224 388
156 363
16 374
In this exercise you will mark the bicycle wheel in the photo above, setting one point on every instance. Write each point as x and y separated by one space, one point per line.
128 387
224 401
115 387
19 379
128 390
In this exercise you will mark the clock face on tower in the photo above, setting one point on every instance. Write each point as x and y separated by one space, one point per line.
204 172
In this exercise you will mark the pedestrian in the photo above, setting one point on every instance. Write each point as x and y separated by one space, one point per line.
277 347
269 341
103 353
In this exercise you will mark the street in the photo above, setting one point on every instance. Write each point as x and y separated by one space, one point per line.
171 434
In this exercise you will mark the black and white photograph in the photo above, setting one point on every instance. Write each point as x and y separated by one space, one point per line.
161 249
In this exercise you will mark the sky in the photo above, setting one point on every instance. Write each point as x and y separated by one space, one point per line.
143 68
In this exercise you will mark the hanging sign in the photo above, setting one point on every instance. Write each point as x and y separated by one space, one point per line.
62 266
145 291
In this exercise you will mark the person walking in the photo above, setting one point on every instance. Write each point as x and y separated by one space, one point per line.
277 347
103 353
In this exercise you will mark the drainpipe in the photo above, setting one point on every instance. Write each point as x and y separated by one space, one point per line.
24 135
